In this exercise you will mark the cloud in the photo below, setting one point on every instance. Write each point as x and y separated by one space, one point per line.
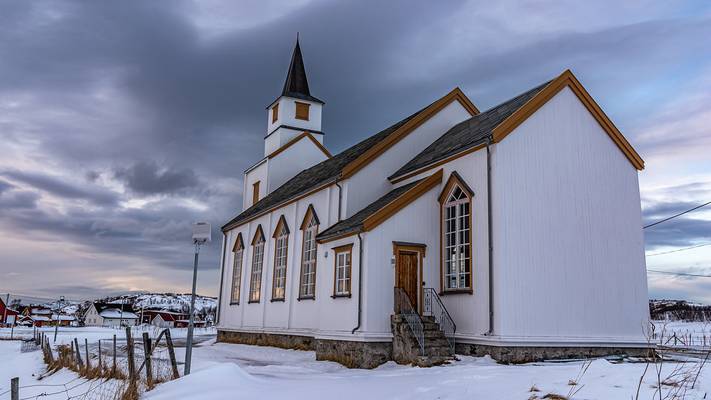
149 178
122 123
62 188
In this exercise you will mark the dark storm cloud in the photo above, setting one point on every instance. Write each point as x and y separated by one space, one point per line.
685 230
59 187
149 178
18 199
121 101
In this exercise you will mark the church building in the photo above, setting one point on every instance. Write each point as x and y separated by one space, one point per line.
514 232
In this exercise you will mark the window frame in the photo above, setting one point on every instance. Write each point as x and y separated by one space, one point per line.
455 181
346 250
237 283
257 242
302 110
275 113
306 225
255 192
281 233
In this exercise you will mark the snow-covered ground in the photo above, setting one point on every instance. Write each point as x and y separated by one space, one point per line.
229 371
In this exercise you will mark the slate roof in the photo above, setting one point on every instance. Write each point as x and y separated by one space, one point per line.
469 133
310 178
355 222
296 84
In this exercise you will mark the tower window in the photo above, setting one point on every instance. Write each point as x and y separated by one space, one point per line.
255 192
275 112
302 110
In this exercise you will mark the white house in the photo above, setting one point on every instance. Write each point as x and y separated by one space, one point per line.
514 232
110 315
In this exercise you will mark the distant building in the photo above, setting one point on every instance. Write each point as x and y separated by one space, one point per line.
7 315
110 315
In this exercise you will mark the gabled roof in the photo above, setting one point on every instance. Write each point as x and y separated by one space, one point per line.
381 209
467 134
497 122
347 162
296 84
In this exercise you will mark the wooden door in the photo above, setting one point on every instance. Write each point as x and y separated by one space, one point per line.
406 275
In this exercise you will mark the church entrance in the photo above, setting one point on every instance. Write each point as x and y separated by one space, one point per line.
408 274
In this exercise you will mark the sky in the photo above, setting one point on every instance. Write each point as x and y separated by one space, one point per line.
122 123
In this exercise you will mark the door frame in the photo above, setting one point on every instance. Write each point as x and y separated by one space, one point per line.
419 249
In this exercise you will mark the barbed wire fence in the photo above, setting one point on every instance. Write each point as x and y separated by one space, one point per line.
113 369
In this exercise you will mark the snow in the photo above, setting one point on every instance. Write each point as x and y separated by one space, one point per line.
228 371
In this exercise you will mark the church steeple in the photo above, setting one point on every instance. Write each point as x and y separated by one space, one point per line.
296 84
295 111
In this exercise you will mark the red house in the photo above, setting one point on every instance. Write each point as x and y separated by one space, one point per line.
7 316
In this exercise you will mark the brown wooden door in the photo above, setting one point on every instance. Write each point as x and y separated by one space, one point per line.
406 275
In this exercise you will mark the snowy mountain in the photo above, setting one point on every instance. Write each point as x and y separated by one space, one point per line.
167 301
678 310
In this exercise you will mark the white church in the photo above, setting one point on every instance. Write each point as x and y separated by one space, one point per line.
514 232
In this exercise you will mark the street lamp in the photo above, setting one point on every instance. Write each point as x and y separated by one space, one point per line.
202 234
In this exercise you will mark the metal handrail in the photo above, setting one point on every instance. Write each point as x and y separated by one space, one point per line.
434 307
404 307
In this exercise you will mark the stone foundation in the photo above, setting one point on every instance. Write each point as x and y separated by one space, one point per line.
354 354
267 339
351 354
524 354
371 354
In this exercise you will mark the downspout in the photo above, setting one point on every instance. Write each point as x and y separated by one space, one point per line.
490 238
360 282
222 276
340 199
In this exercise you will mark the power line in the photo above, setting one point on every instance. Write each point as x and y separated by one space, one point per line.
677 250
677 215
679 273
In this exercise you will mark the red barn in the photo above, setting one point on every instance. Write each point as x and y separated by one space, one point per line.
7 316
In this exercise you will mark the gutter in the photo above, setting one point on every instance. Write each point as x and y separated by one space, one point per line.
360 282
490 238
340 199
222 276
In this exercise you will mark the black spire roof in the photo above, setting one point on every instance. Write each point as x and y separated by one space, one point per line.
296 84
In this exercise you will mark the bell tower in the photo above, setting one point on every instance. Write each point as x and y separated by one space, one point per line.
295 111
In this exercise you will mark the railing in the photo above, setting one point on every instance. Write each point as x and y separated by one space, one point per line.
404 308
433 306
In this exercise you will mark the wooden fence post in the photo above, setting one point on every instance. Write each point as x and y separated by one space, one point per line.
171 353
113 369
80 364
101 366
86 349
147 349
131 365
15 389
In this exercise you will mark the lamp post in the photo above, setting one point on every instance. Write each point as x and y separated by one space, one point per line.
201 235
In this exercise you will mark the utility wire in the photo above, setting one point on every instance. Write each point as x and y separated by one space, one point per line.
679 273
677 250
677 215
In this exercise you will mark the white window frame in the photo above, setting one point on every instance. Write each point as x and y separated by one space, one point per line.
457 240
307 282
342 272
281 249
255 284
236 274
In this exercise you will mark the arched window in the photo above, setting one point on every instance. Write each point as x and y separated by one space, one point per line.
309 228
255 280
281 235
456 200
237 252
